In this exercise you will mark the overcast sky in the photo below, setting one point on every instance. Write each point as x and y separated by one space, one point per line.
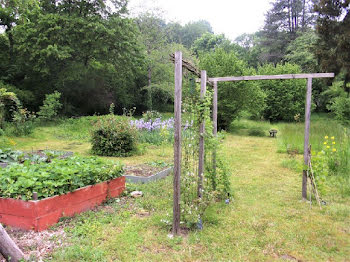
231 17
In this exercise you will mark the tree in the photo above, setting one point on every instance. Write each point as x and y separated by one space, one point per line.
284 98
300 51
233 97
153 36
282 23
194 30
210 42
83 49
333 30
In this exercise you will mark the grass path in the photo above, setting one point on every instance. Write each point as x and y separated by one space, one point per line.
266 221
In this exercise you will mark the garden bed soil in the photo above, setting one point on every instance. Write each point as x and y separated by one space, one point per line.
40 214
142 170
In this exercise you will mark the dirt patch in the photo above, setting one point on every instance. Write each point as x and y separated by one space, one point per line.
142 170
36 246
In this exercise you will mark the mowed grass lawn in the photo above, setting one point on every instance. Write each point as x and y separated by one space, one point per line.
266 220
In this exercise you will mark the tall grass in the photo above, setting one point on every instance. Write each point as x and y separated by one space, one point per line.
292 134
74 128
290 139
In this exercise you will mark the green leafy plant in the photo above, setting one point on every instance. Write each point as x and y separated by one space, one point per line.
8 102
55 178
51 105
216 184
340 106
114 136
151 115
23 123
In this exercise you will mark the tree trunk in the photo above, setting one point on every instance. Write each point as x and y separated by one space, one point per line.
289 16
303 18
8 248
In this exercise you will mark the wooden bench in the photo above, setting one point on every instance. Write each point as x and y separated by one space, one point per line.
273 133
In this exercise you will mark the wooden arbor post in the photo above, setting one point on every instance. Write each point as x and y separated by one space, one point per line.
177 142
201 136
215 120
306 135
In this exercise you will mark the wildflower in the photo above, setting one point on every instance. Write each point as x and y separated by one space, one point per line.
328 146
333 142
326 137
332 137
325 143
334 150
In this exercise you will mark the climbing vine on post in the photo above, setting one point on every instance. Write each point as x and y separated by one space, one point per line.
193 154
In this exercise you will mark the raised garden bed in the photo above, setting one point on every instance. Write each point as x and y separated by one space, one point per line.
8 156
40 214
145 174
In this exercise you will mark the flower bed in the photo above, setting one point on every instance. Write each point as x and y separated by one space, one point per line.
65 187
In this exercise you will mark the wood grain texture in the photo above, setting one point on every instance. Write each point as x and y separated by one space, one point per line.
215 119
177 142
271 77
307 134
8 247
201 137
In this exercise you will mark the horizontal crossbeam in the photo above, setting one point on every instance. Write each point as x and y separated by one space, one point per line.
271 77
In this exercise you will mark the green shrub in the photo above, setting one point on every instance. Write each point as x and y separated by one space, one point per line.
50 107
55 178
113 136
340 106
23 123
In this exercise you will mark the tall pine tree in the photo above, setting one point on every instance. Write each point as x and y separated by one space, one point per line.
333 29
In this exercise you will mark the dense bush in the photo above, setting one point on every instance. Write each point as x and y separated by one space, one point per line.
23 123
55 178
285 98
50 107
113 136
340 106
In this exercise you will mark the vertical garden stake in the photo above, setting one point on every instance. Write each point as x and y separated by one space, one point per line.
177 141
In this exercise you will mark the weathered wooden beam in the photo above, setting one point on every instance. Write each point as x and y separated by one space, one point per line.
8 248
177 142
191 68
307 135
271 77
188 65
201 137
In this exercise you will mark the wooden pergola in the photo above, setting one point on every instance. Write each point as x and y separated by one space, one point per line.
179 63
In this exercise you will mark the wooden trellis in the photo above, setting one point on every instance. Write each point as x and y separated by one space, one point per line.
179 63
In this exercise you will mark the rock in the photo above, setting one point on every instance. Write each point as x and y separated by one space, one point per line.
136 194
